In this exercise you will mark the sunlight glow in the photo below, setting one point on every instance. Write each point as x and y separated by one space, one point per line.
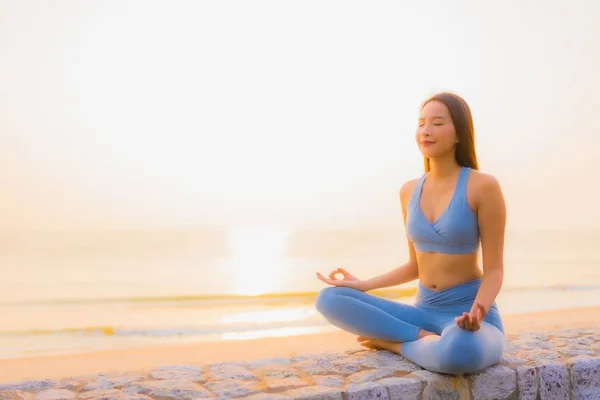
214 121
258 241
256 262
275 333
279 315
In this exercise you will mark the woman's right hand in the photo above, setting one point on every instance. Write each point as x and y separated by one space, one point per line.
348 280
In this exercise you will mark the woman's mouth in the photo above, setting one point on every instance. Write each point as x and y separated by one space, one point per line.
427 143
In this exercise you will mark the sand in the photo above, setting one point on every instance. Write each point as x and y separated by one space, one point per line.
63 366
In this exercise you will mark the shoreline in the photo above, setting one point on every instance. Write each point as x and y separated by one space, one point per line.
143 358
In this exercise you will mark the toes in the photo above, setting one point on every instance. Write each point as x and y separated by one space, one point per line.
385 345
375 344
371 344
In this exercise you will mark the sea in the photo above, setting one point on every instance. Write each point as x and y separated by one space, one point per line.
76 291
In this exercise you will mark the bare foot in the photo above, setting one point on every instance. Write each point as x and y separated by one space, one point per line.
423 333
394 347
379 344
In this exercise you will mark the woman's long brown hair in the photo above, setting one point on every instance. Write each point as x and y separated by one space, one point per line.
463 124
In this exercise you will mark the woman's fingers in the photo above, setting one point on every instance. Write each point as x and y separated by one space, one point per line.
482 310
480 314
333 282
344 273
324 279
347 275
475 324
467 321
460 321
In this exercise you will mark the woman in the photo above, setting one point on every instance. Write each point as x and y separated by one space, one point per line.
454 327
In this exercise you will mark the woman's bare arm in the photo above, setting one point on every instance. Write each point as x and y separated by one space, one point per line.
491 214
408 271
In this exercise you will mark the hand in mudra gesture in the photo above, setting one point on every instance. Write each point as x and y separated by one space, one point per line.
347 279
472 320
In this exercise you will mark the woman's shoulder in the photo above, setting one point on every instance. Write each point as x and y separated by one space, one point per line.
407 189
483 179
482 184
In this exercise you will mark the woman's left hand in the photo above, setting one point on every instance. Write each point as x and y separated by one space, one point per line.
471 321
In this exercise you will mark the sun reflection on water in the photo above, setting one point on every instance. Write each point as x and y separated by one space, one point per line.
265 316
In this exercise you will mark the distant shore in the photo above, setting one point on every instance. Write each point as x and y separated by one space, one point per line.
68 365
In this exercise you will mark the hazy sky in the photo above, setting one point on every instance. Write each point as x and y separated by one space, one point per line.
141 114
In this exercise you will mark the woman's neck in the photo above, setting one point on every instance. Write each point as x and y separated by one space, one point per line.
443 167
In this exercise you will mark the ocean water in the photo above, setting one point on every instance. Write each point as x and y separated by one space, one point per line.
64 292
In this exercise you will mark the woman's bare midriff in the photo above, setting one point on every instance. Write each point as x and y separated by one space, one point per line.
438 271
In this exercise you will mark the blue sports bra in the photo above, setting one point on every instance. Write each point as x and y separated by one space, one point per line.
456 231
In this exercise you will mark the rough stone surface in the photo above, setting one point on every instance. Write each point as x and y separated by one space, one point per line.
496 382
111 394
112 382
172 389
191 372
527 382
585 378
371 375
315 393
554 381
228 371
233 388
30 385
329 380
538 365
403 388
366 391
439 386
15 395
101 394
55 394
276 384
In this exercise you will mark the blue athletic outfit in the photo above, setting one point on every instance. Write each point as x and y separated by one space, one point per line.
457 351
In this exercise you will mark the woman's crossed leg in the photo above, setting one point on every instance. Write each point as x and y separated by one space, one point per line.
386 324
371 316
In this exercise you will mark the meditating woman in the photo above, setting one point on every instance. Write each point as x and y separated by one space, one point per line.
454 327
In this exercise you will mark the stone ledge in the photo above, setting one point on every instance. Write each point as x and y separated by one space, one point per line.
548 365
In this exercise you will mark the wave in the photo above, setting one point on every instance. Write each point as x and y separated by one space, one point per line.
160 332
207 298
252 325
266 298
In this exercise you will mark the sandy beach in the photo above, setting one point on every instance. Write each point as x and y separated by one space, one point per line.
62 366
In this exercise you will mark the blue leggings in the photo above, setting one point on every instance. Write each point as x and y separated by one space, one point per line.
456 351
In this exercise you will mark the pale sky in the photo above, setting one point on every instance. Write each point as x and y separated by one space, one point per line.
300 114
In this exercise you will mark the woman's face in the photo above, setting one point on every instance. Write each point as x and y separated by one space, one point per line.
436 135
